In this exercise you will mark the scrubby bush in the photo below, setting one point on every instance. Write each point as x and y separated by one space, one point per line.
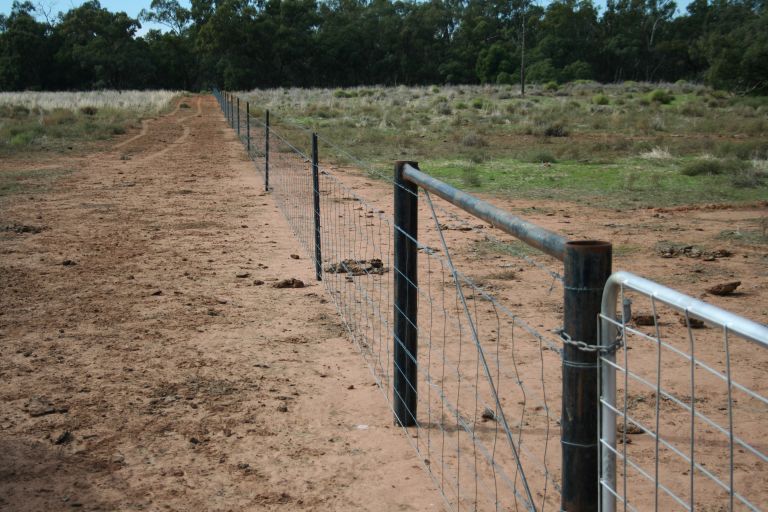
471 177
473 140
478 103
712 167
661 96
749 177
555 129
600 99
543 157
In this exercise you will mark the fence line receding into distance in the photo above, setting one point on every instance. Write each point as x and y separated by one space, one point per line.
478 368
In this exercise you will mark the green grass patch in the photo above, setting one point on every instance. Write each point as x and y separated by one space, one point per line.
627 183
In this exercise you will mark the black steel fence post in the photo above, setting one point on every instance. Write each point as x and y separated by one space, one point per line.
405 306
266 154
316 200
238 117
231 111
248 127
587 268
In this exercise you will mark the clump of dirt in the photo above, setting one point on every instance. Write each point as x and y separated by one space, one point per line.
672 250
23 228
645 318
289 283
358 267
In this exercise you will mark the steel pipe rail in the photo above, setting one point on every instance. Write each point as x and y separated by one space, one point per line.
753 331
546 241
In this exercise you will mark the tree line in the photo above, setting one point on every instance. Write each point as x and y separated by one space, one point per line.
244 44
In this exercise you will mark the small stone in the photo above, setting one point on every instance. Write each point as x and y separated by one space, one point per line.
157 293
294 256
243 275
724 288
69 263
222 300
282 407
488 414
258 282
118 458
194 440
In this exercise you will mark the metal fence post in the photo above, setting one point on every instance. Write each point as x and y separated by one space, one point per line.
266 154
316 200
238 117
248 127
587 268
405 341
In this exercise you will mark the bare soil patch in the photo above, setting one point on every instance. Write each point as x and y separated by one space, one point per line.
141 373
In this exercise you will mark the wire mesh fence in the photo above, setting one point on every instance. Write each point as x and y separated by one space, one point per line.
684 404
487 434
485 368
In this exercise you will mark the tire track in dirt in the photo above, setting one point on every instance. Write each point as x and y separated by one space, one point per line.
185 386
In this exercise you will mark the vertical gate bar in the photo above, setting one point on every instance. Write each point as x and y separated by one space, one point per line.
405 339
266 155
587 268
248 127
316 200
238 117
607 418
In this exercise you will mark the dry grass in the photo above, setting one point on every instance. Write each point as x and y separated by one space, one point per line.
141 101
64 121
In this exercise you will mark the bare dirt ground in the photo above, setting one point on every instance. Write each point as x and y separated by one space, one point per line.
148 363
144 374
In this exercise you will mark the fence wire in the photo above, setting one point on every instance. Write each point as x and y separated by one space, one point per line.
488 364
690 406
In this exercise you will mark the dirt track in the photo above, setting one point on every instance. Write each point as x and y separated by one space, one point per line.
144 374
